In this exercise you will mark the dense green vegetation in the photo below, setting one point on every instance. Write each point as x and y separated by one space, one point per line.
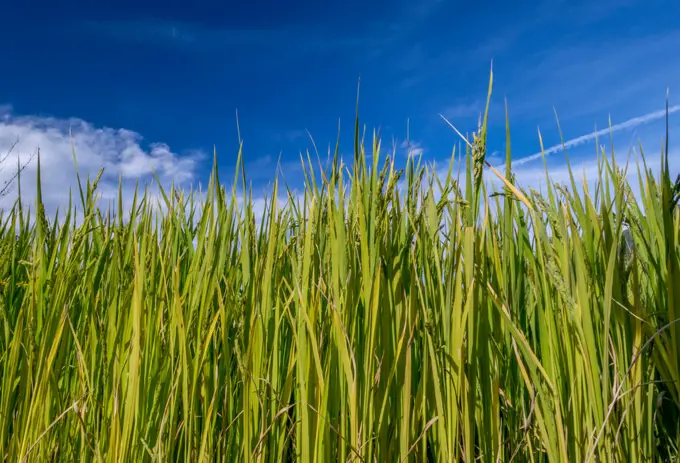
385 315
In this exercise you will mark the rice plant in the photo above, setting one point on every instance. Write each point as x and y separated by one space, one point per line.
384 315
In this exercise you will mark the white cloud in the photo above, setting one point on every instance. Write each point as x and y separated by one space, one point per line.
412 148
118 151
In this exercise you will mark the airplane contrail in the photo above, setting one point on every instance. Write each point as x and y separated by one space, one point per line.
634 122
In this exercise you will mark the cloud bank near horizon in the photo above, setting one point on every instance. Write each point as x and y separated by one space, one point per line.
120 152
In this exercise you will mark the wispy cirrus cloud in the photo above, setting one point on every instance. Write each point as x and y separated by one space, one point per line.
295 34
585 78
464 110
629 124
204 40
293 135
412 148
585 173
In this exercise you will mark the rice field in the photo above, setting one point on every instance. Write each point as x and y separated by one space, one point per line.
382 315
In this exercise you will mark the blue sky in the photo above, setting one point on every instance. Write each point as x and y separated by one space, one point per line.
159 85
